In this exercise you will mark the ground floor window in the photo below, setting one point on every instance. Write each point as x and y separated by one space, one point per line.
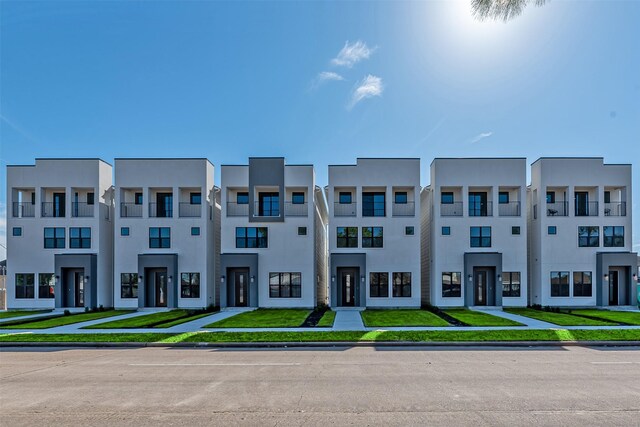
24 285
402 285
451 284
559 283
511 284
285 285
190 285
379 285
582 283
129 285
46 282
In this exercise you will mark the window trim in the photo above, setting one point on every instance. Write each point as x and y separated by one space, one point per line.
373 242
190 286
50 286
455 288
480 239
281 285
400 285
347 238
554 228
131 284
375 282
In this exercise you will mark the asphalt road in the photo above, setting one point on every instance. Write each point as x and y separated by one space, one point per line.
344 386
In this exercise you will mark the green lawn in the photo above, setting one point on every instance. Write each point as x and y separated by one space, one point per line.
63 320
18 313
164 319
402 317
264 318
626 317
562 319
476 318
343 336
327 319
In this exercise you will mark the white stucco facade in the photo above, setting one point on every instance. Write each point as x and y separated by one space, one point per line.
465 194
581 196
47 204
397 181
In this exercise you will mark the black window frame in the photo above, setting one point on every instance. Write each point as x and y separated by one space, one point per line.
156 238
452 289
57 241
552 230
501 197
347 238
401 285
446 198
138 198
281 289
190 285
81 240
242 198
379 285
559 289
582 288
401 201
607 196
372 206
409 230
16 232
373 240
343 196
195 198
302 231
511 283
91 198
195 231
248 238
446 230
129 285
551 197
614 239
515 230
25 289
588 236
269 203
296 198
124 233
480 241
46 288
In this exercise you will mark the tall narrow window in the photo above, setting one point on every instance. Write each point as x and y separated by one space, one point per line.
378 285
402 285
510 284
190 285
129 285
46 283
582 283
478 204
559 283
269 204
451 284
90 199
24 285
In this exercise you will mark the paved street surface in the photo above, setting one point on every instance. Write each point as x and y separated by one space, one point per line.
344 386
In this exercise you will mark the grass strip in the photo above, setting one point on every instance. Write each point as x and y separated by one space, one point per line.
477 318
264 318
402 317
624 317
71 338
163 319
327 319
63 320
562 319
18 313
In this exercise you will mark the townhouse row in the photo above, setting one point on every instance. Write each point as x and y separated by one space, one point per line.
160 233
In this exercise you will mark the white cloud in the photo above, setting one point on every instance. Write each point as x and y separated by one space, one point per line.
325 76
352 54
480 137
369 87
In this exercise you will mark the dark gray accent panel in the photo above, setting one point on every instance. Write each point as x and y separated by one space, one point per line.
483 259
168 261
356 260
266 172
230 261
87 262
606 260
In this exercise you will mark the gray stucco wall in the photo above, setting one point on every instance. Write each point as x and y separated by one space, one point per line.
606 260
168 261
229 261
268 172
88 262
483 259
356 260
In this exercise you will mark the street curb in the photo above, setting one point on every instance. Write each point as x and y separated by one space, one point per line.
317 344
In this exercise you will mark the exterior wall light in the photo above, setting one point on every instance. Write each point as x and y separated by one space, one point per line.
333 278
253 278
470 278
222 279
362 279
170 279
606 277
499 278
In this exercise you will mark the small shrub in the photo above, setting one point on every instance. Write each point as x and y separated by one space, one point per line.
67 312
101 308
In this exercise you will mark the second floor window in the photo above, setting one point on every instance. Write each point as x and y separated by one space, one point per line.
242 198
480 237
297 198
373 204
251 237
80 237
269 204
159 237
347 237
54 238
400 198
613 237
345 198
588 237
446 198
195 198
372 237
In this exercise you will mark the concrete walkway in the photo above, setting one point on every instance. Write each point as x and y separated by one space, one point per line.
527 321
348 320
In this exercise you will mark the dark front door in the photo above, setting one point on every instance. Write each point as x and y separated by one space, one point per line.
613 287
582 203
241 287
160 278
164 205
480 284
348 281
73 291
78 279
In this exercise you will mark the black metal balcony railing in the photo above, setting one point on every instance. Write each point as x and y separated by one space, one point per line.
160 210
480 209
81 210
296 209
130 210
237 209
344 209
266 209
451 209
403 209
509 209
586 209
558 209
615 209
52 210
24 210
187 210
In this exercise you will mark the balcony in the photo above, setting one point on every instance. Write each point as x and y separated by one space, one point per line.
509 209
52 210
586 209
81 210
188 210
480 208
344 209
615 209
267 209
24 210
296 209
237 209
558 209
130 210
403 209
160 210
451 209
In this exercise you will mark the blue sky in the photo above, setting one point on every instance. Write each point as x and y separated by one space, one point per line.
228 80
